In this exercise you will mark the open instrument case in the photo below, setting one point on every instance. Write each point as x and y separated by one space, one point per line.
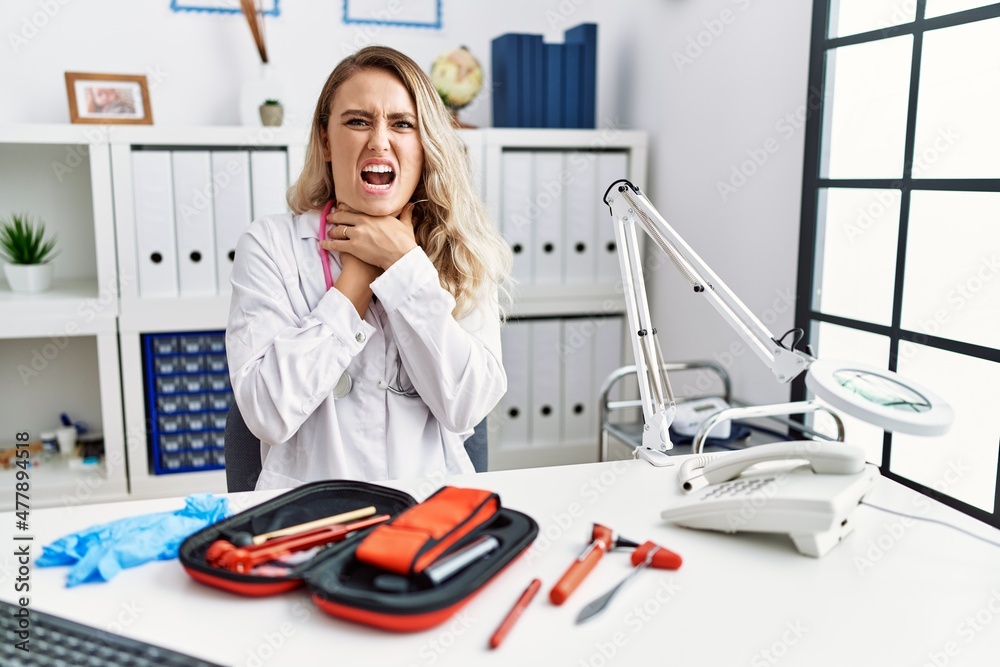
385 584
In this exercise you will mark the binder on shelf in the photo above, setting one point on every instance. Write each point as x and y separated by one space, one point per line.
585 34
585 212
548 198
268 182
546 381
611 166
506 68
156 243
533 81
512 412
545 85
515 212
194 221
572 89
580 388
555 56
231 174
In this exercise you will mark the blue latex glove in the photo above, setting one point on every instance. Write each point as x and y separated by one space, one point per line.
100 552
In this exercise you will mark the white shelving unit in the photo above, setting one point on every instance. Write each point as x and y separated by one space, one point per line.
141 314
551 300
180 313
580 305
62 175
79 180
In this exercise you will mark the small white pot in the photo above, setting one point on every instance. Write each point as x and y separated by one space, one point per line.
271 114
254 91
29 278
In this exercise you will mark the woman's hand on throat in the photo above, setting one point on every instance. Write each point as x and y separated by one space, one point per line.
376 240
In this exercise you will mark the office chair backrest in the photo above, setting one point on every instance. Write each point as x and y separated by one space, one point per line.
475 446
243 452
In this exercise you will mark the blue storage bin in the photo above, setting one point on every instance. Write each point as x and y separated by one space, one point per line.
167 365
192 363
187 399
169 404
197 441
194 403
220 401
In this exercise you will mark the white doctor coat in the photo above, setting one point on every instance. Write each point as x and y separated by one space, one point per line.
289 340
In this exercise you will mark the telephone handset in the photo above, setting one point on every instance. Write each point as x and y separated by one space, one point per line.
807 489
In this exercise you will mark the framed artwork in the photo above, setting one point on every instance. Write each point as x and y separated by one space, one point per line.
404 13
108 98
267 7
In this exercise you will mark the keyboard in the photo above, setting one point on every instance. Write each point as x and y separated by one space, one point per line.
59 642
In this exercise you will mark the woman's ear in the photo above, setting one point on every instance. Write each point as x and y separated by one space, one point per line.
325 143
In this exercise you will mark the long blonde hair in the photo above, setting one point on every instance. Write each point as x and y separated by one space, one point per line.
452 227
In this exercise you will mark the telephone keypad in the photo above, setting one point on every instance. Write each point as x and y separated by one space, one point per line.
737 487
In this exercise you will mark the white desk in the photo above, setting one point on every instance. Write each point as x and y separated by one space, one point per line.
895 592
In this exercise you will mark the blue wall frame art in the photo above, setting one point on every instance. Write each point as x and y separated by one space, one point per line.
403 13
221 6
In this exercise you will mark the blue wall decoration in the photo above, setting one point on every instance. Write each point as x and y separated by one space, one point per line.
402 13
220 6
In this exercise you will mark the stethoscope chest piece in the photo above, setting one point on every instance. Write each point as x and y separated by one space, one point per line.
343 386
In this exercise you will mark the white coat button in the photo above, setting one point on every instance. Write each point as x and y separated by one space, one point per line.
360 337
382 384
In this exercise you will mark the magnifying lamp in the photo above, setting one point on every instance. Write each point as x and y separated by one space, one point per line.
880 397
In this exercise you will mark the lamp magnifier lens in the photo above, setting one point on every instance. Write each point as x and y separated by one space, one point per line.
882 390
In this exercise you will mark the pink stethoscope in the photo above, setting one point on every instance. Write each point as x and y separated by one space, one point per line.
344 384
343 387
324 255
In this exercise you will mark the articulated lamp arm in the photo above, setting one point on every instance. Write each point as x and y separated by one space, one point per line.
630 209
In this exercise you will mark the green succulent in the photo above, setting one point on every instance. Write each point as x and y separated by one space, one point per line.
271 102
23 241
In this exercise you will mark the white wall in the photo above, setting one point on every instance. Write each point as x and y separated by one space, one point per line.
712 80
702 114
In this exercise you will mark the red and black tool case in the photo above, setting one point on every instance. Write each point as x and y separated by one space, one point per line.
349 578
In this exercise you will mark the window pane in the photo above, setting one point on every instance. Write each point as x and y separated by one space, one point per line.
957 134
952 283
942 7
850 17
835 342
963 462
856 253
867 86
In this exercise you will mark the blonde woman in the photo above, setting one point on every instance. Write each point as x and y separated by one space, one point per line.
364 328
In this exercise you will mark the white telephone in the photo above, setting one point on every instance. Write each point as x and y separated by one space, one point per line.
810 496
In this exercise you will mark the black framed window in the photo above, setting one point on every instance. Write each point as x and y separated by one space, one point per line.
899 257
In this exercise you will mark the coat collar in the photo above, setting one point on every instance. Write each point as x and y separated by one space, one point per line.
307 225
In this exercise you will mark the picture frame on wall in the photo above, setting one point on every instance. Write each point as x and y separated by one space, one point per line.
406 14
108 98
265 7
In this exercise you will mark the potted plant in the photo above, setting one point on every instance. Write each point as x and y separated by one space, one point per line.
271 112
27 253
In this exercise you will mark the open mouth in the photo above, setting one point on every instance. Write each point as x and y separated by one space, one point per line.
378 176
